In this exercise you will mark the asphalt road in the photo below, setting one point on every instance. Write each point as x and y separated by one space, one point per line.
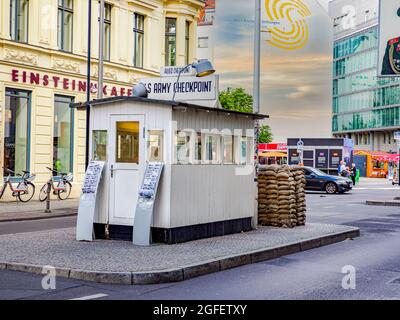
314 274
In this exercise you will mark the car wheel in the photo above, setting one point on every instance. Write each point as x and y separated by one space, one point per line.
331 188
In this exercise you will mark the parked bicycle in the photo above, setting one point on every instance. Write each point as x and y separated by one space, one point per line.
25 189
63 188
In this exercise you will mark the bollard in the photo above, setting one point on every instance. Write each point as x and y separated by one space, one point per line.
48 199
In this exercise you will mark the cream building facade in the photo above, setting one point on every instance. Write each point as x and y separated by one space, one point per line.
43 63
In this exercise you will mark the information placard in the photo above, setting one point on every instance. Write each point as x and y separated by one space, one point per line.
87 202
145 204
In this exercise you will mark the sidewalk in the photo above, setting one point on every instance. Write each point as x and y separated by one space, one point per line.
34 210
120 262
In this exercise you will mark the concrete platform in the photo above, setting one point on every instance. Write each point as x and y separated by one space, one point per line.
121 262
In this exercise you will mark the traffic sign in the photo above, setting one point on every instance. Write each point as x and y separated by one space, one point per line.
397 135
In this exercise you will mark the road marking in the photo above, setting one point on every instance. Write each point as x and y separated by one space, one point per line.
94 296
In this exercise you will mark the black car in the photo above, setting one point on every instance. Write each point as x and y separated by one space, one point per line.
320 181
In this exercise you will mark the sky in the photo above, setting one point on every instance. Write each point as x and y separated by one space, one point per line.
296 86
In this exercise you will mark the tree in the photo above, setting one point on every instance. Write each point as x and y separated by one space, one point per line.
236 99
265 134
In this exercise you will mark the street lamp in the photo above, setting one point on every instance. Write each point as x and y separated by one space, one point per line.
203 68
88 81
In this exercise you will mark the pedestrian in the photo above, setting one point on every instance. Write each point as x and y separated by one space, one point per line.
340 167
353 173
343 169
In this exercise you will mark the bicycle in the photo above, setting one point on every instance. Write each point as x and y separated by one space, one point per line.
62 189
25 190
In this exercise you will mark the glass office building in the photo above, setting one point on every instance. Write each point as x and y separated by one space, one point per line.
365 108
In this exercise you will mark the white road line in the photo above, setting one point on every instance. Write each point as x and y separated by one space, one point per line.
376 188
94 296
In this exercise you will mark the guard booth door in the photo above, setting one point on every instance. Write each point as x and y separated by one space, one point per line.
126 154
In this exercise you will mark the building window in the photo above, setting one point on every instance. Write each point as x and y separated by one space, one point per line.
63 134
228 149
107 31
99 145
17 130
202 42
187 42
19 20
170 42
155 146
65 23
138 32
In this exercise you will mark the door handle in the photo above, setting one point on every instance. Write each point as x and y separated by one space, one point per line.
112 171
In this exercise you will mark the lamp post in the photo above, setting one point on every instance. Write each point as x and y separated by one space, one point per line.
256 78
101 50
88 81
203 68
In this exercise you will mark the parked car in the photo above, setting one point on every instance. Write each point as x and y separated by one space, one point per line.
320 181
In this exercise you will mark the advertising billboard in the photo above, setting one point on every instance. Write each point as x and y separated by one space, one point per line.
389 38
206 17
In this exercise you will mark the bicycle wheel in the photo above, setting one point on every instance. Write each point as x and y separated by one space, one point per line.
64 194
27 195
43 193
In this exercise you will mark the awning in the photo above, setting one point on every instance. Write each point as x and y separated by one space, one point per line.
272 154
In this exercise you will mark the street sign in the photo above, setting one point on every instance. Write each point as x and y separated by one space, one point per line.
300 145
397 136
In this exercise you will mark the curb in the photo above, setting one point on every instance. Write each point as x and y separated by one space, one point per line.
383 203
50 216
189 271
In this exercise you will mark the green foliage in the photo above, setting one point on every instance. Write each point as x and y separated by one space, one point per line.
236 99
265 134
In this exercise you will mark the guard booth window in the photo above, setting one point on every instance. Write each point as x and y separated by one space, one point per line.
127 143
99 145
155 146
16 134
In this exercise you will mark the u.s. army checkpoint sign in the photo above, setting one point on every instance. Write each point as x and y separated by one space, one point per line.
189 88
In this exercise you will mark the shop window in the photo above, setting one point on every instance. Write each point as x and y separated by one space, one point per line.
227 149
155 146
19 13
65 24
127 144
138 32
99 146
183 147
170 42
212 148
17 127
63 134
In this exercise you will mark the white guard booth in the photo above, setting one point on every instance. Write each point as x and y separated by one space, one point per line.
207 185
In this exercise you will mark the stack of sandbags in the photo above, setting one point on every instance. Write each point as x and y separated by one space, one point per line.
268 196
300 180
286 198
281 196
